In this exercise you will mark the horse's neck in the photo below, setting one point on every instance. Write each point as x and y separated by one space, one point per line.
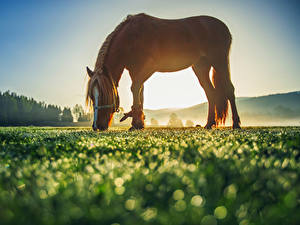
115 72
116 58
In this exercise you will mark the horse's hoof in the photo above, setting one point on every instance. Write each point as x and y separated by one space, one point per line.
198 126
137 125
236 126
132 129
208 126
135 128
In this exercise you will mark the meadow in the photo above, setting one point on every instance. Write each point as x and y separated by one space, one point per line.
155 176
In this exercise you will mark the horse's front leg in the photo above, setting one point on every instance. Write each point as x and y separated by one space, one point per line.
138 116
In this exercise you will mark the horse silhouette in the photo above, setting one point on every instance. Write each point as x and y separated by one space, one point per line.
144 45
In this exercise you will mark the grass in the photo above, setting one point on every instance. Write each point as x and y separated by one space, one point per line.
156 176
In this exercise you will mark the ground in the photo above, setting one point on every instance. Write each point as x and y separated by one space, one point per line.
155 176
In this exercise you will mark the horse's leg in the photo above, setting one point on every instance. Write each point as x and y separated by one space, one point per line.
142 95
222 68
201 70
139 73
235 116
137 106
130 114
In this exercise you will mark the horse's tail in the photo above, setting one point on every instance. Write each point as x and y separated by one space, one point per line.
221 99
222 84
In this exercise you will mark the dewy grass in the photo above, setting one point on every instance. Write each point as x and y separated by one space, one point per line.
154 176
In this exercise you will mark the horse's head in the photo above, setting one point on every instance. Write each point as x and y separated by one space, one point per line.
102 94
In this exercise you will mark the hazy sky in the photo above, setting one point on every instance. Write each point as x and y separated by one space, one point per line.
45 46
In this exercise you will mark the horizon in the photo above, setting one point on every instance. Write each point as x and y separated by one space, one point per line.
154 109
46 47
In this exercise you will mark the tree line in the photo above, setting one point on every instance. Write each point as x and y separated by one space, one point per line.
19 110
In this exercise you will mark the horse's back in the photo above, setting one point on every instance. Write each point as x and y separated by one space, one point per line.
198 30
143 20
173 44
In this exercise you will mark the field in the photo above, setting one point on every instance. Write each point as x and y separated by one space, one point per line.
156 176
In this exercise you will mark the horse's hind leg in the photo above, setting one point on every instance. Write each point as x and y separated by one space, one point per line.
235 115
222 69
201 70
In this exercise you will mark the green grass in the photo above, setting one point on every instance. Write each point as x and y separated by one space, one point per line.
156 176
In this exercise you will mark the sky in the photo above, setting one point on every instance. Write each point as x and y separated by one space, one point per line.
46 45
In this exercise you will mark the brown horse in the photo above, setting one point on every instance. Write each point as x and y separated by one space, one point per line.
143 45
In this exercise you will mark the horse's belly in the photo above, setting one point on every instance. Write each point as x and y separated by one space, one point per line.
176 61
172 67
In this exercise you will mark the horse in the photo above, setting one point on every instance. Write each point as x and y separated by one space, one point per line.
143 45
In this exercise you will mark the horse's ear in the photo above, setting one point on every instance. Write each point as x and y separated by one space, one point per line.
89 72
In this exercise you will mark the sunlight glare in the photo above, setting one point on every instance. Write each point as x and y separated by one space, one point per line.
173 90
165 90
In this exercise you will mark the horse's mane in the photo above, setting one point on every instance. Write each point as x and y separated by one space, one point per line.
106 44
99 66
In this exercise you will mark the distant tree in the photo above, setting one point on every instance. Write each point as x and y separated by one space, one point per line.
53 113
66 115
85 117
189 123
174 121
20 110
78 112
154 122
